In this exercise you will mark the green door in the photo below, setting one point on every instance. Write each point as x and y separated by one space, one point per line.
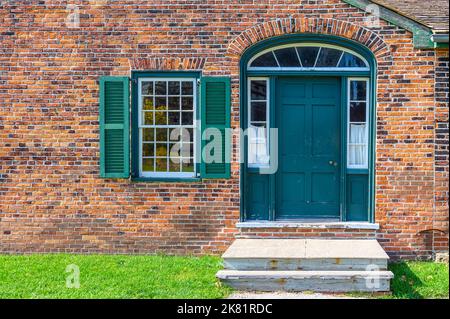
307 115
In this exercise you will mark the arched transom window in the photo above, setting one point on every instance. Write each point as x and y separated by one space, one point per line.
307 56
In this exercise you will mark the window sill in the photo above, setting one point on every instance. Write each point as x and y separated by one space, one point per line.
166 180
299 224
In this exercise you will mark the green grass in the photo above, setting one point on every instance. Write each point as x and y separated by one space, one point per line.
416 280
121 276
110 276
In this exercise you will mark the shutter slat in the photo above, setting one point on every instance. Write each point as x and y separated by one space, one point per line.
114 127
215 104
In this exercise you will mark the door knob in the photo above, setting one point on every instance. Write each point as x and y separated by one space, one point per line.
333 163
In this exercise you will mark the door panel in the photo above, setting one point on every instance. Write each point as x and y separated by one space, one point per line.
324 116
307 118
323 188
256 197
294 130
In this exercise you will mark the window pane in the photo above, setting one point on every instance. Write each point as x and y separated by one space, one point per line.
147 88
161 164
161 134
258 90
258 113
351 61
147 165
187 118
358 90
161 149
187 88
160 103
188 135
357 134
174 103
188 165
357 112
161 118
148 134
287 57
357 155
147 118
174 166
147 103
175 134
174 88
308 55
265 60
328 57
186 150
258 152
174 149
148 150
174 118
187 103
175 160
160 88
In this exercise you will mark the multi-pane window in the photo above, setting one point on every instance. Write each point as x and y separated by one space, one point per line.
358 123
167 127
258 152
307 56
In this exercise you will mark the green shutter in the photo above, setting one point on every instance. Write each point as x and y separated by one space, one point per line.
215 106
114 120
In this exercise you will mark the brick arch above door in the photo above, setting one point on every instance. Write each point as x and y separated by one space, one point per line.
293 25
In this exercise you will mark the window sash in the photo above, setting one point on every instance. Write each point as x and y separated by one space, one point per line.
258 146
320 47
357 151
167 142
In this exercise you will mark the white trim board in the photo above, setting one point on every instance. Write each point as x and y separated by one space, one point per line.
311 224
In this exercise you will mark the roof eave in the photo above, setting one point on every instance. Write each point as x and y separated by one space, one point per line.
422 34
440 40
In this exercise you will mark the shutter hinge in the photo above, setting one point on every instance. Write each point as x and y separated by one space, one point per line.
198 82
134 81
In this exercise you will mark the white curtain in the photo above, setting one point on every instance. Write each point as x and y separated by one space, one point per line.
258 152
357 145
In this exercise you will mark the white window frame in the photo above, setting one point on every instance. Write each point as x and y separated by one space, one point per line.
193 126
302 68
349 100
249 119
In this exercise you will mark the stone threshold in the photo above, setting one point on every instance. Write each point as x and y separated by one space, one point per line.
309 224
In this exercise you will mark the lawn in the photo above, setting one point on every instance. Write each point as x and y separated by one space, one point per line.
109 276
415 280
418 280
120 276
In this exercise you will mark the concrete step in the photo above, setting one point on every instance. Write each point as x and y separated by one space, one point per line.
323 281
305 254
304 264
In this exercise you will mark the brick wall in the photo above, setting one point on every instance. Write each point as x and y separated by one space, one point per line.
51 198
441 152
